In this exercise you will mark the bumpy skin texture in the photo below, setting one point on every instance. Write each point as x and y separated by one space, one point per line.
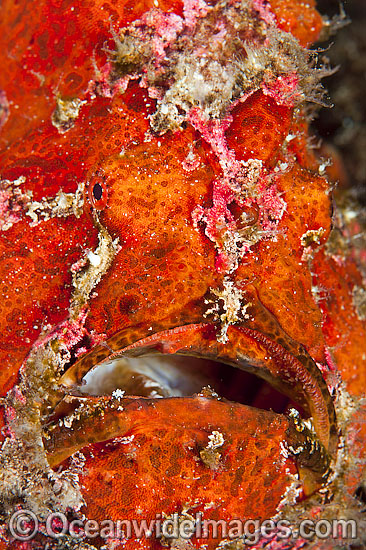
224 221
36 285
175 464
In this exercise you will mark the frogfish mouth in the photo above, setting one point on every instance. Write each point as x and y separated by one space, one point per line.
185 378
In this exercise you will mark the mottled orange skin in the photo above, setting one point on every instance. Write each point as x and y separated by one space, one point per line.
115 124
344 334
163 460
147 212
58 57
165 267
299 18
44 296
36 286
52 48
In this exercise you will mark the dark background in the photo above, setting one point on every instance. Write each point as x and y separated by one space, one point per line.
344 125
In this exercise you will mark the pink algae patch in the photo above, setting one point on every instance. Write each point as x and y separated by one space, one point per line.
245 184
12 203
4 108
284 90
166 27
272 206
5 196
192 10
261 6
213 132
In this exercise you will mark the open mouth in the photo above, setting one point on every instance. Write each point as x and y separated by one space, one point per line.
187 364
162 376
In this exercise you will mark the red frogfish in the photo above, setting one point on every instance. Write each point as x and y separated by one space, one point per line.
183 309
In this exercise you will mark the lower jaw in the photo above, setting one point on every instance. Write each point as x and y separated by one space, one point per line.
177 455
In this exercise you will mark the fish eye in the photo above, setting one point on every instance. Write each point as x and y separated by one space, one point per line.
97 191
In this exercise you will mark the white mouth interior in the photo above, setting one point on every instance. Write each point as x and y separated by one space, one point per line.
148 376
158 376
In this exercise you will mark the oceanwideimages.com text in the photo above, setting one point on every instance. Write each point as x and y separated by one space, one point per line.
24 525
